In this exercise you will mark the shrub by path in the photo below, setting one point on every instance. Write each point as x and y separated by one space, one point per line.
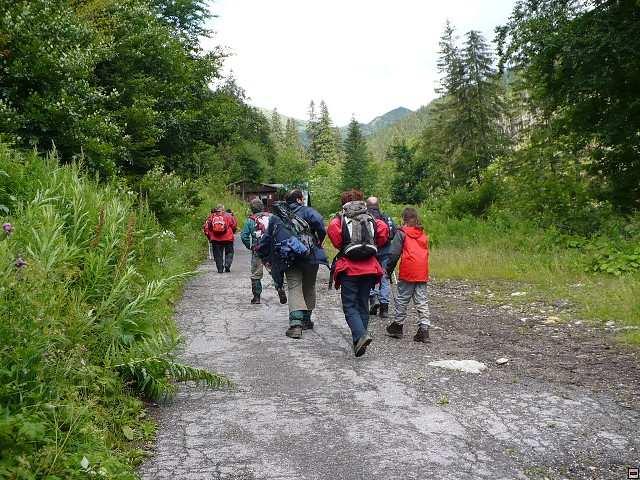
565 405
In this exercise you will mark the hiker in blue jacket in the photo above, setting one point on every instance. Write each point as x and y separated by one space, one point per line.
380 294
301 272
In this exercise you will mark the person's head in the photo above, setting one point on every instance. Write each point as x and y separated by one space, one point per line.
219 208
256 205
410 217
295 196
373 202
352 195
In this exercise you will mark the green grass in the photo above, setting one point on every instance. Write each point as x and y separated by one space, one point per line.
548 277
87 323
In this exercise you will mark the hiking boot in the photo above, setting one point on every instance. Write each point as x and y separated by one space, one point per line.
227 269
360 347
255 300
282 295
307 325
294 332
422 335
374 309
384 310
394 329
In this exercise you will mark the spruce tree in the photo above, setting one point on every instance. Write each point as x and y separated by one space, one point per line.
326 145
312 134
277 135
356 169
480 107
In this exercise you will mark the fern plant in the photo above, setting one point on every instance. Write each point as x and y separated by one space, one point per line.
150 368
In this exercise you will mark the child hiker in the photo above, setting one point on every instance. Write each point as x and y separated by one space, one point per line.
411 247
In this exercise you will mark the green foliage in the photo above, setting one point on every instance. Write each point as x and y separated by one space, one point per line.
357 171
87 277
324 183
122 85
590 105
170 197
324 139
475 201
407 185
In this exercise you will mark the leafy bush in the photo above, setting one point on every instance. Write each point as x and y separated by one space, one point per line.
170 197
86 276
476 201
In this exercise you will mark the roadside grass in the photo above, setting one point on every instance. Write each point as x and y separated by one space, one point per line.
544 277
88 280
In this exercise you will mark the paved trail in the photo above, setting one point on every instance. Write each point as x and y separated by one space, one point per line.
307 409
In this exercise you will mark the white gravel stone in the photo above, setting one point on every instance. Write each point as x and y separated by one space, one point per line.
467 366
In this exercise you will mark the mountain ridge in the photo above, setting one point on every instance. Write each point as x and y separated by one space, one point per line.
379 122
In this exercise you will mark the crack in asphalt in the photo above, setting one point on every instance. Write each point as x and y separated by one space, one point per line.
307 409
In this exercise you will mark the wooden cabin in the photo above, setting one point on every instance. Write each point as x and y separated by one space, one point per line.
267 192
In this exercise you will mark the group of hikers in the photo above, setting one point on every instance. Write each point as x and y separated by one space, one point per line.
288 242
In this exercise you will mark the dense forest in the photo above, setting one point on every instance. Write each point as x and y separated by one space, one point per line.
118 132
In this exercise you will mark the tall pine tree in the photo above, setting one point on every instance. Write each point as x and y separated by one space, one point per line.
277 135
356 171
325 147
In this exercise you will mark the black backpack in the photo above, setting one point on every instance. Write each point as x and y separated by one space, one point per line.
358 231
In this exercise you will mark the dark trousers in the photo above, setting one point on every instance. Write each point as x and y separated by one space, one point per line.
355 302
223 254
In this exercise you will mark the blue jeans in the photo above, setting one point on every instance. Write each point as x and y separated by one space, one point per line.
381 293
355 302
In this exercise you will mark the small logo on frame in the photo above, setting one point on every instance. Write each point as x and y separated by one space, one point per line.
633 472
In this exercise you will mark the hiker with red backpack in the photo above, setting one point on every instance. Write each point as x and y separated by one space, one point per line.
411 247
292 246
358 236
219 228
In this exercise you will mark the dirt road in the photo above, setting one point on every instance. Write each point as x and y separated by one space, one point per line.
564 406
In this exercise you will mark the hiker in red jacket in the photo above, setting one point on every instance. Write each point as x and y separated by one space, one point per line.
219 229
411 247
358 236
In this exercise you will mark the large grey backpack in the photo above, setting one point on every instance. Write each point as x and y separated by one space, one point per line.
358 231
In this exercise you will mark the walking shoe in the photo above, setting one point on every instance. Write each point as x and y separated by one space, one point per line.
384 310
294 332
227 269
220 271
360 347
255 300
307 325
422 335
282 295
394 329
374 309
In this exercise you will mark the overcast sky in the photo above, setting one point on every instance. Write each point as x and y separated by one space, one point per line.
363 57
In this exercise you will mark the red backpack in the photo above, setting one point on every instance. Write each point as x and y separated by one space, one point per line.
262 224
218 224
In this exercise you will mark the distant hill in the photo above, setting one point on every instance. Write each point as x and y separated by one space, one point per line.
379 123
407 126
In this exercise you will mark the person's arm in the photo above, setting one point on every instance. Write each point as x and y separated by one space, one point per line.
247 231
395 251
205 227
334 232
382 233
233 223
316 222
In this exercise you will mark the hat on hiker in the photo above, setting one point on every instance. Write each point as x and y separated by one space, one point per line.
256 205
219 208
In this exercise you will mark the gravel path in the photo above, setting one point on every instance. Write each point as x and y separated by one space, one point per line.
564 406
